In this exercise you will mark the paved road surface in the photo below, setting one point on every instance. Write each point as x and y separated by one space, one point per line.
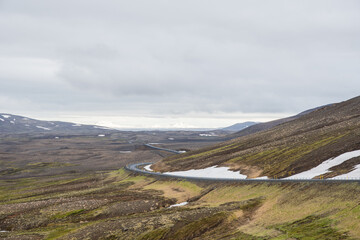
135 168
163 149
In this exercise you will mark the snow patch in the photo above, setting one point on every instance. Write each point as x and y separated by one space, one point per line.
210 172
178 205
12 122
326 165
76 125
147 168
44 128
6 116
264 177
2 119
171 139
181 151
56 137
125 151
101 135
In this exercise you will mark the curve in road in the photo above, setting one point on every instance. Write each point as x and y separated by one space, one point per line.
135 168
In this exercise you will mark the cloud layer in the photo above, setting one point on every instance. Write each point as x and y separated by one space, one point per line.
177 57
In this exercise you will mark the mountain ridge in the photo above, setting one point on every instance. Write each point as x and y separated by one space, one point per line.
239 126
15 124
267 125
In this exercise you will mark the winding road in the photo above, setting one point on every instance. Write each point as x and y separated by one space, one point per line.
163 149
138 168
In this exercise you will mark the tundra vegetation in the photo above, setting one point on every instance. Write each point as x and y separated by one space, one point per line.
121 205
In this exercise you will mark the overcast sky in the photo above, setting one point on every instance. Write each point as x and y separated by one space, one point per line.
188 63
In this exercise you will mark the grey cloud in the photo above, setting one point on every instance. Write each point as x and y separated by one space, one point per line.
179 57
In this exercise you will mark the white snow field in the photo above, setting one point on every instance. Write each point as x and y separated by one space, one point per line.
210 172
178 205
326 165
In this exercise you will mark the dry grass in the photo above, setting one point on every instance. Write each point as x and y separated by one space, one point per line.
181 190
291 202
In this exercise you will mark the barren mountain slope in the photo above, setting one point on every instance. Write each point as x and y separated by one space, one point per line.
286 149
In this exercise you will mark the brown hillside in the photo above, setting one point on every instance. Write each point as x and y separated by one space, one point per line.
284 150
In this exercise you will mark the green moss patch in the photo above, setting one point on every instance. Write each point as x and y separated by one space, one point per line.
68 214
10 171
156 234
49 165
311 228
201 226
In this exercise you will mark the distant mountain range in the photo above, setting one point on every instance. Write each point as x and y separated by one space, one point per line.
14 124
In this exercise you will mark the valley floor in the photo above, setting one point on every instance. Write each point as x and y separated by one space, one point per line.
76 188
121 205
